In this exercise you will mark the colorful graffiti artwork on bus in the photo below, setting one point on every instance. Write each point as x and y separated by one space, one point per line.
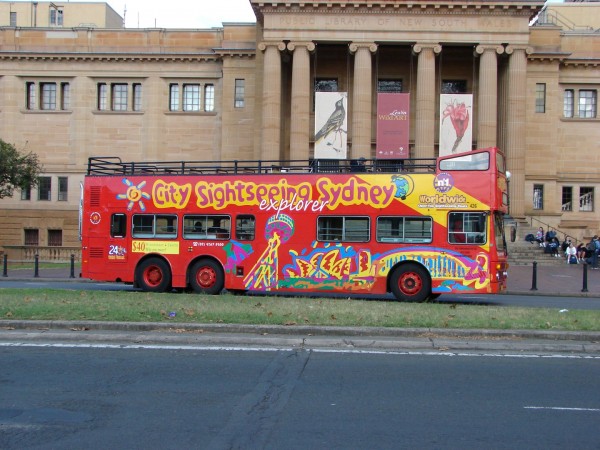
134 194
265 273
235 252
334 266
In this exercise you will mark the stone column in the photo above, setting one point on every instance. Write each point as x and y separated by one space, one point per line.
271 114
515 126
362 99
300 113
488 95
425 114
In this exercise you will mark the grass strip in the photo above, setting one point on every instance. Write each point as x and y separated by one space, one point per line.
49 304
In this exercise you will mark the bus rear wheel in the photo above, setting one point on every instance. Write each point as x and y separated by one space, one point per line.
153 275
410 283
207 277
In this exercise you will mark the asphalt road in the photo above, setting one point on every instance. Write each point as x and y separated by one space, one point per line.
98 397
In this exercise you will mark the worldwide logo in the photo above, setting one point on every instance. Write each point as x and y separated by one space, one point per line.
443 182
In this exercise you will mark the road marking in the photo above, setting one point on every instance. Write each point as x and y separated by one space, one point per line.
281 349
562 408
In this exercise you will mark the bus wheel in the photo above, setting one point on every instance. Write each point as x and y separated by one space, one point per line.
207 277
153 275
410 283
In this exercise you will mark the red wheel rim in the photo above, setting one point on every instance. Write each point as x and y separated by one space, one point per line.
410 283
206 277
153 276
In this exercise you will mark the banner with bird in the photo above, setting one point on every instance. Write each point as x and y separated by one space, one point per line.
455 123
331 129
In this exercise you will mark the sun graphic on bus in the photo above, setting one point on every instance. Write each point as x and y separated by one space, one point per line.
134 194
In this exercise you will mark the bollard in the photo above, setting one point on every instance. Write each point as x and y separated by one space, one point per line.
72 265
534 277
585 267
5 266
36 266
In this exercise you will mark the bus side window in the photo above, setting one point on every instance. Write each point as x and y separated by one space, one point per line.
456 233
245 228
118 225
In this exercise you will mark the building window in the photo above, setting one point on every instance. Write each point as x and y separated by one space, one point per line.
45 188
567 198
48 96
326 85
568 103
173 97
392 86
55 238
538 196
65 90
56 16
119 97
209 97
51 95
13 19
586 199
191 97
239 101
137 97
187 97
63 188
31 95
454 86
540 98
587 104
102 97
32 237
26 194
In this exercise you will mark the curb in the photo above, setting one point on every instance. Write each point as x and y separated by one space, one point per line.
280 337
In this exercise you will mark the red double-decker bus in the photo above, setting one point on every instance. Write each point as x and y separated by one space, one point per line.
416 228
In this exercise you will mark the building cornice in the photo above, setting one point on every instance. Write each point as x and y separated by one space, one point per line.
125 57
584 62
524 7
548 56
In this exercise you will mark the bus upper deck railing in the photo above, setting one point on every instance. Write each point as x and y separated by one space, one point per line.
112 165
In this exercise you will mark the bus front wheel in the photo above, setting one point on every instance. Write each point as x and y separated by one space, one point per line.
410 283
207 277
153 275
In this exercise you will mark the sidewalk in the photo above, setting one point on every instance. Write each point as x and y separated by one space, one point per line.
563 280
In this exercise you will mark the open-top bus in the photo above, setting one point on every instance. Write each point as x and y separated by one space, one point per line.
416 228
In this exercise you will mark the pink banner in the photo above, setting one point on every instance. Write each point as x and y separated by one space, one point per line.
392 125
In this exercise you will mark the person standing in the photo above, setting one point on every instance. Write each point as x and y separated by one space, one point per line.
594 248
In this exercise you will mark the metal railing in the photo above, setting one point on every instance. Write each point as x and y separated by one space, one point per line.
110 165
45 253
549 227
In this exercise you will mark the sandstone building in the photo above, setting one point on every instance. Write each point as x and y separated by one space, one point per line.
74 83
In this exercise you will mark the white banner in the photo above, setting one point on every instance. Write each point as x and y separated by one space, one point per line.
331 128
456 126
